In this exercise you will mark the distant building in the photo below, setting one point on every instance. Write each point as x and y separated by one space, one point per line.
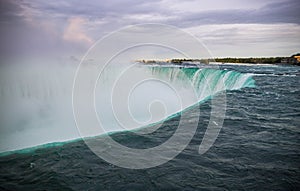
298 58
291 60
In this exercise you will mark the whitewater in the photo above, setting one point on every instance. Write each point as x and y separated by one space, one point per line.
36 99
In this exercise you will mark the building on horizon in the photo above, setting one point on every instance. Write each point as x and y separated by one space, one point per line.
294 59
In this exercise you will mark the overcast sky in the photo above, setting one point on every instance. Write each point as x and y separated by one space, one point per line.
236 28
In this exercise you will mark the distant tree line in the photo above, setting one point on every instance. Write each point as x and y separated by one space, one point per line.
271 60
267 60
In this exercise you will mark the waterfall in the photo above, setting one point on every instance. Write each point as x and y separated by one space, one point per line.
36 101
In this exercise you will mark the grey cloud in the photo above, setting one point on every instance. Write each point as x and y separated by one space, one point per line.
94 8
286 12
283 12
9 12
115 12
19 35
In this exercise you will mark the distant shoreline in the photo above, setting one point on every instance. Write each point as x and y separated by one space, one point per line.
293 60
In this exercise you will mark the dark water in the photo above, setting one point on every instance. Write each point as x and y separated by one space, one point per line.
258 148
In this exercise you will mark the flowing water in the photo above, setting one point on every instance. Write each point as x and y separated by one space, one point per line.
256 149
